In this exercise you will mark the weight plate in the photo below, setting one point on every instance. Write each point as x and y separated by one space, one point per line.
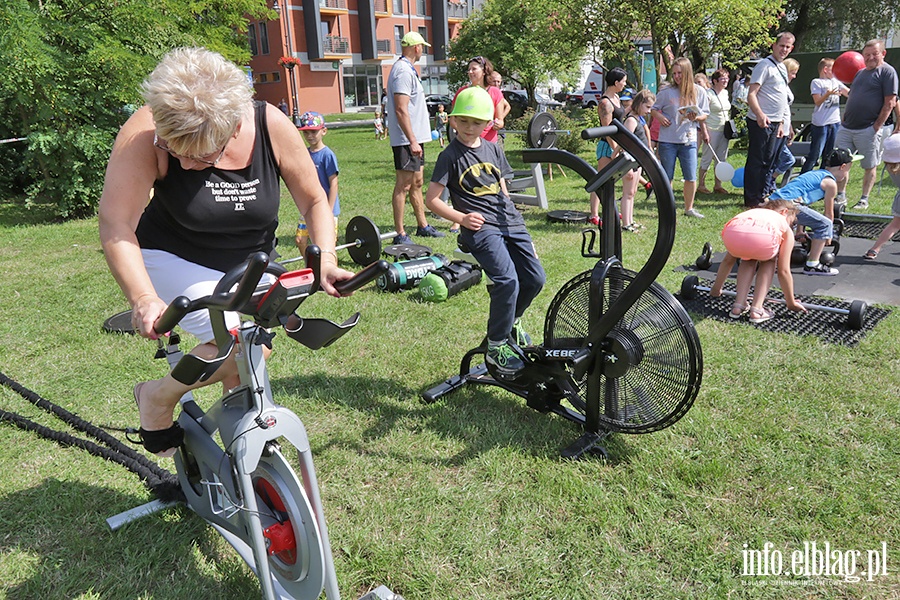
541 131
407 251
567 216
119 323
363 241
856 316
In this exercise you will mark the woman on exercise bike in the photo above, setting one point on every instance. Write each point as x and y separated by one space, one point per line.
209 159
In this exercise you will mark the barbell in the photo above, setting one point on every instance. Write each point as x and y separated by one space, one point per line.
362 241
541 132
856 315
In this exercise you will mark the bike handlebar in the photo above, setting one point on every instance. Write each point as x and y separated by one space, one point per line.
227 297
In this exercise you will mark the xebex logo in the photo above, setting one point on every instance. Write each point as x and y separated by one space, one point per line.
564 353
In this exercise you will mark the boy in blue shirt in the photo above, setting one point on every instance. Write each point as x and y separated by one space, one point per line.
810 187
492 229
312 126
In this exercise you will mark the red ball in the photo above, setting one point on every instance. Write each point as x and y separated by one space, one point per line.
847 65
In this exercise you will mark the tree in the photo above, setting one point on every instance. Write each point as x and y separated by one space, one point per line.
696 29
70 70
827 26
526 40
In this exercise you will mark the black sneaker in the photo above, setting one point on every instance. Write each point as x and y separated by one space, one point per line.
429 231
505 359
402 238
819 269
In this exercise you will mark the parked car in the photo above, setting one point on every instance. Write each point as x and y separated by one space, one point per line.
433 100
518 102
545 102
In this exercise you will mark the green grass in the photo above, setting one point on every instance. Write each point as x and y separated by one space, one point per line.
790 439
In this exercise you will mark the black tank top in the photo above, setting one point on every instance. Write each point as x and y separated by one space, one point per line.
618 112
216 217
639 131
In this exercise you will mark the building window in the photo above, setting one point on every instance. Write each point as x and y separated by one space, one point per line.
398 7
420 8
423 31
362 86
263 39
399 32
251 35
276 76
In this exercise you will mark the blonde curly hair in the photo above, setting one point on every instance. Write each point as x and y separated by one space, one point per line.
198 99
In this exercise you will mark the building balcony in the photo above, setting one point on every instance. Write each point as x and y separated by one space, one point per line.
383 47
334 45
457 11
327 7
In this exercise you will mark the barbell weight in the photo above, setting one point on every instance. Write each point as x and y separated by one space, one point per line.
856 315
363 241
541 132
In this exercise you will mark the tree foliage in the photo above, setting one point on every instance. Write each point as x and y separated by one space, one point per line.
526 40
696 29
835 25
69 70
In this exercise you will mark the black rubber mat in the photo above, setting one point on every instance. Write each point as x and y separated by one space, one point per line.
869 230
827 326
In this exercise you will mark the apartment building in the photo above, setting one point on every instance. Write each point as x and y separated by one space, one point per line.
346 49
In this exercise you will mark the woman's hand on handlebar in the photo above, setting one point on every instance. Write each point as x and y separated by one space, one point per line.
331 274
145 313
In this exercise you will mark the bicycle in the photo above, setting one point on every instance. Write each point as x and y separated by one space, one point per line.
242 484
619 350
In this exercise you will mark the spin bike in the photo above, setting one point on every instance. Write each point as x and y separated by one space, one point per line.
620 353
244 486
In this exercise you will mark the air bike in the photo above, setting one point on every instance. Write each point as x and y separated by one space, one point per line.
620 353
231 468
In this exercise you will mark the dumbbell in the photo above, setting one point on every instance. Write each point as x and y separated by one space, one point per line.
856 316
365 247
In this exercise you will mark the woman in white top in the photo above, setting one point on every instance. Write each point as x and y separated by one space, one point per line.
680 110
719 111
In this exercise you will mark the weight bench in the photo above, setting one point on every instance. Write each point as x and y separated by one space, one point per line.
523 180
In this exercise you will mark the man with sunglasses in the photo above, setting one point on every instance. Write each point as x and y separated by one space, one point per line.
210 161
409 127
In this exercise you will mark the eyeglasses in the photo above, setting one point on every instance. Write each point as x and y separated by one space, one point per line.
160 143
478 59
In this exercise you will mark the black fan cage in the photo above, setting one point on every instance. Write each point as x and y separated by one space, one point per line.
658 361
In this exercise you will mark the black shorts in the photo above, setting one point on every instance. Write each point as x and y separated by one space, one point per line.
405 161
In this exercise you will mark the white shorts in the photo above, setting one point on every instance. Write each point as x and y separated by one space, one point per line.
173 276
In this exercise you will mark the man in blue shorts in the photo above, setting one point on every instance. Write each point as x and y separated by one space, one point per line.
810 187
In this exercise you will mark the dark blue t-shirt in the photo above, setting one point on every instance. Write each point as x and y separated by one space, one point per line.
472 175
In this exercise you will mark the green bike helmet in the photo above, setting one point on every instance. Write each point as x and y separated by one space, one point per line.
473 102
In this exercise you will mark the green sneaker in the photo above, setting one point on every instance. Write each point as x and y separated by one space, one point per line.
505 359
519 335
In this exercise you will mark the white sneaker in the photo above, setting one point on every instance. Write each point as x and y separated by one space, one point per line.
693 213
862 204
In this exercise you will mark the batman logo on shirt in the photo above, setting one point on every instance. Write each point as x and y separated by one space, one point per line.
482 179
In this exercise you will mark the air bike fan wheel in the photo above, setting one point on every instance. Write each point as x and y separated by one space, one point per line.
651 359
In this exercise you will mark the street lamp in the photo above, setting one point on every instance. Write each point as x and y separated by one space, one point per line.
289 51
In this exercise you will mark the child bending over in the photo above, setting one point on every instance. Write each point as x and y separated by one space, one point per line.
762 238
473 170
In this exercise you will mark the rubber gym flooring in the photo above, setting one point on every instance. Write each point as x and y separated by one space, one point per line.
874 282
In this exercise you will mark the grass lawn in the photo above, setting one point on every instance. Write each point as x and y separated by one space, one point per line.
791 441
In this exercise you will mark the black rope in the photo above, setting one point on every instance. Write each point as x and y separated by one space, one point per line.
162 483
